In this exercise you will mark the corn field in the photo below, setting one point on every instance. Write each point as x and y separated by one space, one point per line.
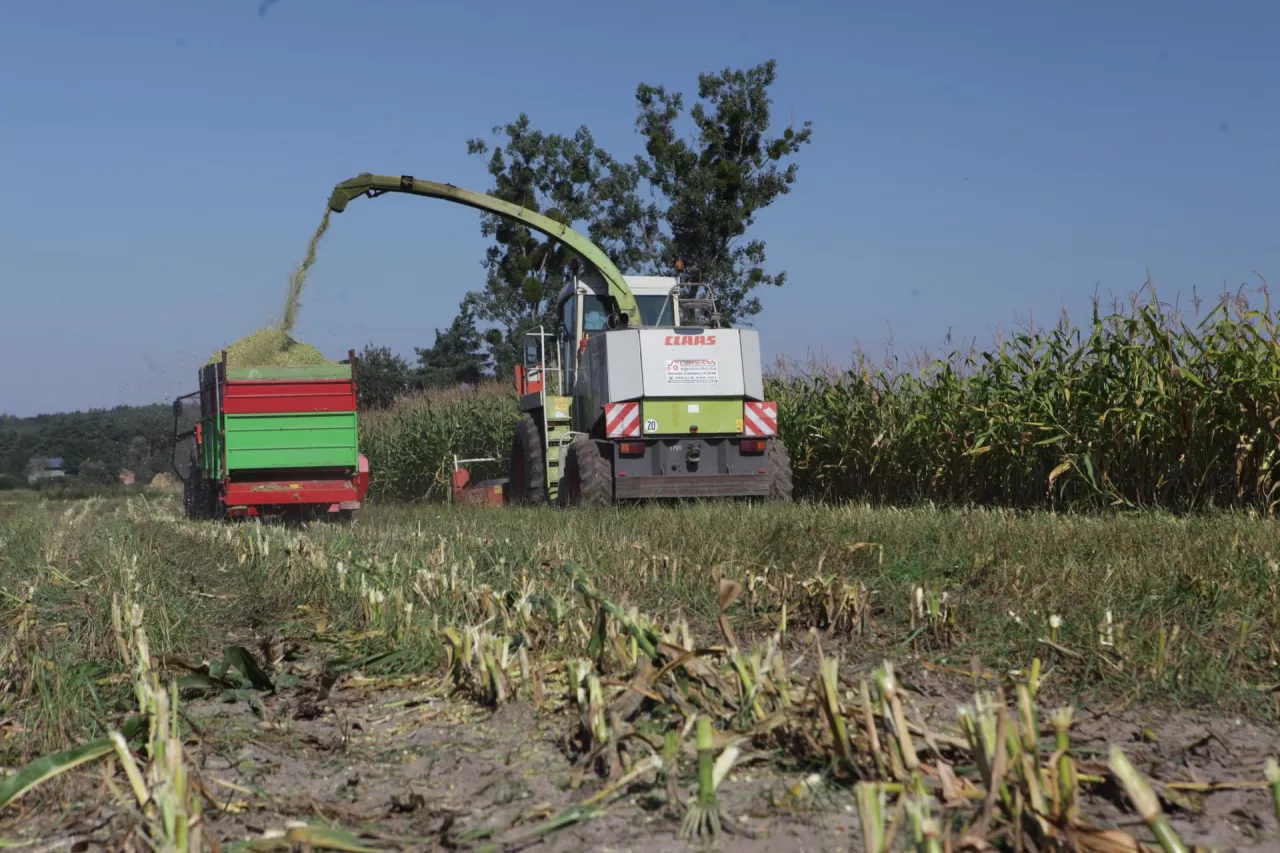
1141 407
411 446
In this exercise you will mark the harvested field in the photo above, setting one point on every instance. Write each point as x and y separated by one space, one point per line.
437 679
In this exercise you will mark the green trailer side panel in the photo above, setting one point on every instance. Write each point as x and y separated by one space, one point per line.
675 417
211 449
312 440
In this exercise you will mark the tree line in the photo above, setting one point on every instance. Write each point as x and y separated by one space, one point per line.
94 446
691 194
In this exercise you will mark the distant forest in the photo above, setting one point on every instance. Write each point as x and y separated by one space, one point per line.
95 445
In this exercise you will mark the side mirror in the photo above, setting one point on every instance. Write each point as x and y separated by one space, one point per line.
531 353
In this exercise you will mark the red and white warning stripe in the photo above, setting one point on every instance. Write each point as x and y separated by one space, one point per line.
622 420
759 418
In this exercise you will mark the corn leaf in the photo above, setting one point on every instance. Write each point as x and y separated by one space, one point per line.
47 767
314 837
241 659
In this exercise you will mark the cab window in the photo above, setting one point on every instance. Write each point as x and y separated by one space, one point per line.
566 316
656 310
594 315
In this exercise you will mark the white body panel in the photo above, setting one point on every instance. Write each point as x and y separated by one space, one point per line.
686 365
628 364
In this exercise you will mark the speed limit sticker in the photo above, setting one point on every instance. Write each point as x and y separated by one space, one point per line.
651 425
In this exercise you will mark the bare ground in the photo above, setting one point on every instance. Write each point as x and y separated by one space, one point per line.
407 769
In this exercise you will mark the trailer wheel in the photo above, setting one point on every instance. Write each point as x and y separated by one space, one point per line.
192 493
780 485
528 467
202 500
588 473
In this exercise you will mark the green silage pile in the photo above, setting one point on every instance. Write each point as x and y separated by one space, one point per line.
269 348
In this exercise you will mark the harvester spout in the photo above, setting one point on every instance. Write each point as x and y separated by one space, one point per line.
375 185
348 190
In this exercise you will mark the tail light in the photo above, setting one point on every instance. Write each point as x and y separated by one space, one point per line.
631 448
751 445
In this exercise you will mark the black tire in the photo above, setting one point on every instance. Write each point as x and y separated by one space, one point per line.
212 506
192 493
780 484
588 474
528 467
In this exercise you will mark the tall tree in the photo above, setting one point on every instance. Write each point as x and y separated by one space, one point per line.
573 181
690 197
714 181
381 377
457 356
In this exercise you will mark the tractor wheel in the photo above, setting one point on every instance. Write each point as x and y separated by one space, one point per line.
528 467
189 496
211 507
780 486
192 491
588 475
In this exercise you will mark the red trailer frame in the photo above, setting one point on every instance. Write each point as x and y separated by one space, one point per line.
272 492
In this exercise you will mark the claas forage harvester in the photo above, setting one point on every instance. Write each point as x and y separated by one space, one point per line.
635 392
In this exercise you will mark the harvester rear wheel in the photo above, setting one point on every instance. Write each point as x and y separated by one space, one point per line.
528 467
588 474
780 485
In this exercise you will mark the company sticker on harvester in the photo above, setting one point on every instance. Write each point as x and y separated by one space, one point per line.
692 371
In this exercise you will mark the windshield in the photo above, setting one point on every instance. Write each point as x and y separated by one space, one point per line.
656 310
594 316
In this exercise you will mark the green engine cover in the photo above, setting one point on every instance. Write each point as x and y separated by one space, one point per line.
678 417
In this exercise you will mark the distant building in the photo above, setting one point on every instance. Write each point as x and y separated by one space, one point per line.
127 478
44 468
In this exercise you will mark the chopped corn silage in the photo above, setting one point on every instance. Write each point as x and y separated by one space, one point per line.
269 348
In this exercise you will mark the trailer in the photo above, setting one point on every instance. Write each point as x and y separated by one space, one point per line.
273 441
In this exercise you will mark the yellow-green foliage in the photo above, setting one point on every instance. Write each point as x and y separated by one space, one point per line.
268 348
411 445
1141 407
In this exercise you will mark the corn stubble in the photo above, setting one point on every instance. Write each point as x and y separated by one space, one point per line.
990 775
648 701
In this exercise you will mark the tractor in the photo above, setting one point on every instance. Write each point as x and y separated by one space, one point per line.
637 392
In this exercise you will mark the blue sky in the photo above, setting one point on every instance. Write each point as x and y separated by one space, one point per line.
164 163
